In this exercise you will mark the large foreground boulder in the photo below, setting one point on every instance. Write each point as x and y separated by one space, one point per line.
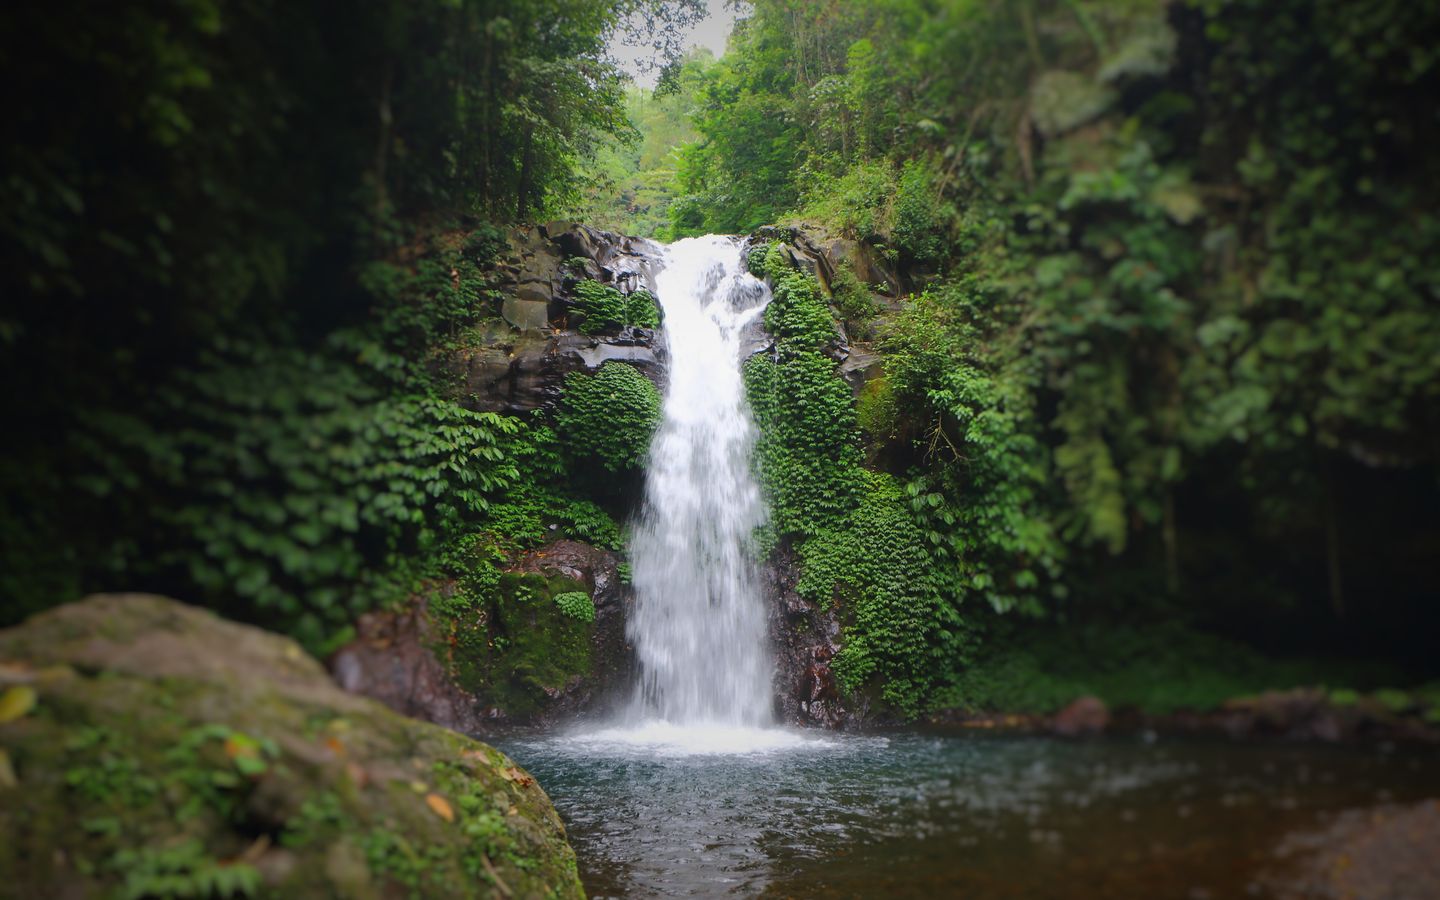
154 749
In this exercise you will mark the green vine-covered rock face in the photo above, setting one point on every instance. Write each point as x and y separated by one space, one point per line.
875 563
808 454
606 420
171 753
603 308
859 541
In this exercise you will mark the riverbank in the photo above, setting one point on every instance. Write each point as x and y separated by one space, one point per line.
1299 714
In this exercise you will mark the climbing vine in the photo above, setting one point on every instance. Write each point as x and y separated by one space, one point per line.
576 605
603 308
862 546
605 421
875 562
807 454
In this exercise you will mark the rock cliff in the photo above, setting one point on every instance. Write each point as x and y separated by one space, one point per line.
521 362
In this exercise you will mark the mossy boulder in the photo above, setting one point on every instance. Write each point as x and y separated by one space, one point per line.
518 649
539 643
172 753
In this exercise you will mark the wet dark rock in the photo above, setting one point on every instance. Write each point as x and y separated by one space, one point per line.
1308 714
754 339
513 372
806 639
613 254
832 253
392 659
519 363
861 366
1082 717
526 314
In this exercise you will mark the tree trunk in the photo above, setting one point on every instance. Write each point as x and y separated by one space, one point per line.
522 193
1171 538
1332 544
382 143
1032 39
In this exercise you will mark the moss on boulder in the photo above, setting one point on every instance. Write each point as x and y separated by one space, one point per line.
517 649
172 753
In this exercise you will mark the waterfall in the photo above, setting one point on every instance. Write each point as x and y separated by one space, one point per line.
699 625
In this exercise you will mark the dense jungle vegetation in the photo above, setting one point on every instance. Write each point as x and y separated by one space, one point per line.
1169 349
233 236
1160 320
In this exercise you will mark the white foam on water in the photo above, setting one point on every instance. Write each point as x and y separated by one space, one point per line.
660 739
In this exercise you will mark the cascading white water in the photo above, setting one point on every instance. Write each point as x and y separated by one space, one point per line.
698 625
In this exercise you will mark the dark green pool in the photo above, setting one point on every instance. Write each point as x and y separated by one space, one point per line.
928 815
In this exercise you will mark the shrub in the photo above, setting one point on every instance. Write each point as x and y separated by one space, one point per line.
919 227
605 308
857 204
576 605
607 419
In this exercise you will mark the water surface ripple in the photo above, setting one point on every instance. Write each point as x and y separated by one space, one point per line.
924 815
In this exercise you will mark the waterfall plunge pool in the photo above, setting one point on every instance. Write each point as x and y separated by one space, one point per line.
697 794
668 810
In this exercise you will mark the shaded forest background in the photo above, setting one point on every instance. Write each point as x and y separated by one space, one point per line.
1166 371
1172 348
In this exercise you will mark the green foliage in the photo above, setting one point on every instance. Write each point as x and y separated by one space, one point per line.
920 219
605 308
509 639
876 563
606 420
755 259
981 444
576 605
1157 667
877 413
226 259
532 514
903 212
853 300
858 204
180 871
807 454
424 303
776 264
296 485
858 542
1152 318
631 185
